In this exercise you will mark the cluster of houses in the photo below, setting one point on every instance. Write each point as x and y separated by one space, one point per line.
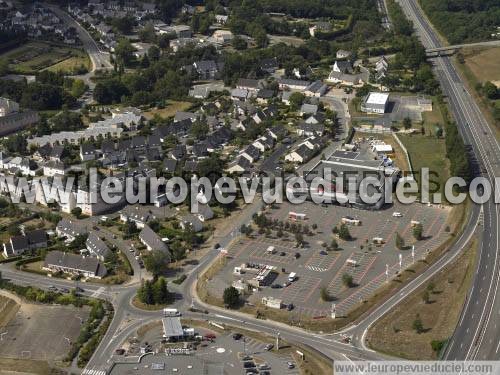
96 12
39 22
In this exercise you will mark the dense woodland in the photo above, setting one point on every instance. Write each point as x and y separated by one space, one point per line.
464 20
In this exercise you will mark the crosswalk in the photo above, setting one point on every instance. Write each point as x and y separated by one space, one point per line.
98 292
317 269
93 371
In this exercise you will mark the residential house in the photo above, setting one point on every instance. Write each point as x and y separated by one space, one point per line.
221 19
88 152
308 130
293 84
58 261
192 222
343 54
204 212
136 214
316 89
70 229
301 154
239 94
308 109
31 240
264 96
269 65
97 247
320 27
206 69
251 153
251 85
239 165
151 240
222 36
53 168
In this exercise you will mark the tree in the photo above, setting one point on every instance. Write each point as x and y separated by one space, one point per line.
437 345
344 233
417 325
347 280
154 53
231 297
407 123
123 25
160 291
299 239
156 262
334 245
296 99
400 242
76 212
418 231
124 54
490 90
239 43
426 296
325 295
145 293
78 88
13 230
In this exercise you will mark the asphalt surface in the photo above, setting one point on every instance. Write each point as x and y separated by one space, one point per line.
99 58
478 332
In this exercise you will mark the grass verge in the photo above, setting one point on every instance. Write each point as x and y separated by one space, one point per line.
394 333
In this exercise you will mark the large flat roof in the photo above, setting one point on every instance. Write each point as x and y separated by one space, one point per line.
377 98
172 326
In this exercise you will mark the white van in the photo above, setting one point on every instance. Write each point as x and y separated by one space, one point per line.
397 214
292 277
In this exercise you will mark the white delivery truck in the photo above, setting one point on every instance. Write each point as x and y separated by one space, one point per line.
171 312
270 250
292 277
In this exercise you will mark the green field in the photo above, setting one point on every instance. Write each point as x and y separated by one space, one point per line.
34 56
427 152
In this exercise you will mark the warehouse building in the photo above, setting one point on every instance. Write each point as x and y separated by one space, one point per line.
375 102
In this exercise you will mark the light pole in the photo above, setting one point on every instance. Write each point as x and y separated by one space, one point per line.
413 253
386 273
400 262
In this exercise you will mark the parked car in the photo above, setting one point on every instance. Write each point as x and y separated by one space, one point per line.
290 365
323 252
282 254
276 286
290 307
268 347
237 336
297 255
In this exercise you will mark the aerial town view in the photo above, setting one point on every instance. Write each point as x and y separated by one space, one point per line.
249 187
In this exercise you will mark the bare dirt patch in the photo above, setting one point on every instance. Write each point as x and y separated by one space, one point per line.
36 332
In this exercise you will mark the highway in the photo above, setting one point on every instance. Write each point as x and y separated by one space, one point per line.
478 332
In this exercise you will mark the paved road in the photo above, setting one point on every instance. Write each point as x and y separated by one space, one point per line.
99 59
477 335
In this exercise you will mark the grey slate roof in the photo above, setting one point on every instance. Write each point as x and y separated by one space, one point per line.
75 262
151 239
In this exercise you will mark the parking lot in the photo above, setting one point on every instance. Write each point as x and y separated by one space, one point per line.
317 266
224 354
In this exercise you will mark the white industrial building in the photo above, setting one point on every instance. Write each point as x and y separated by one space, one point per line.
375 102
